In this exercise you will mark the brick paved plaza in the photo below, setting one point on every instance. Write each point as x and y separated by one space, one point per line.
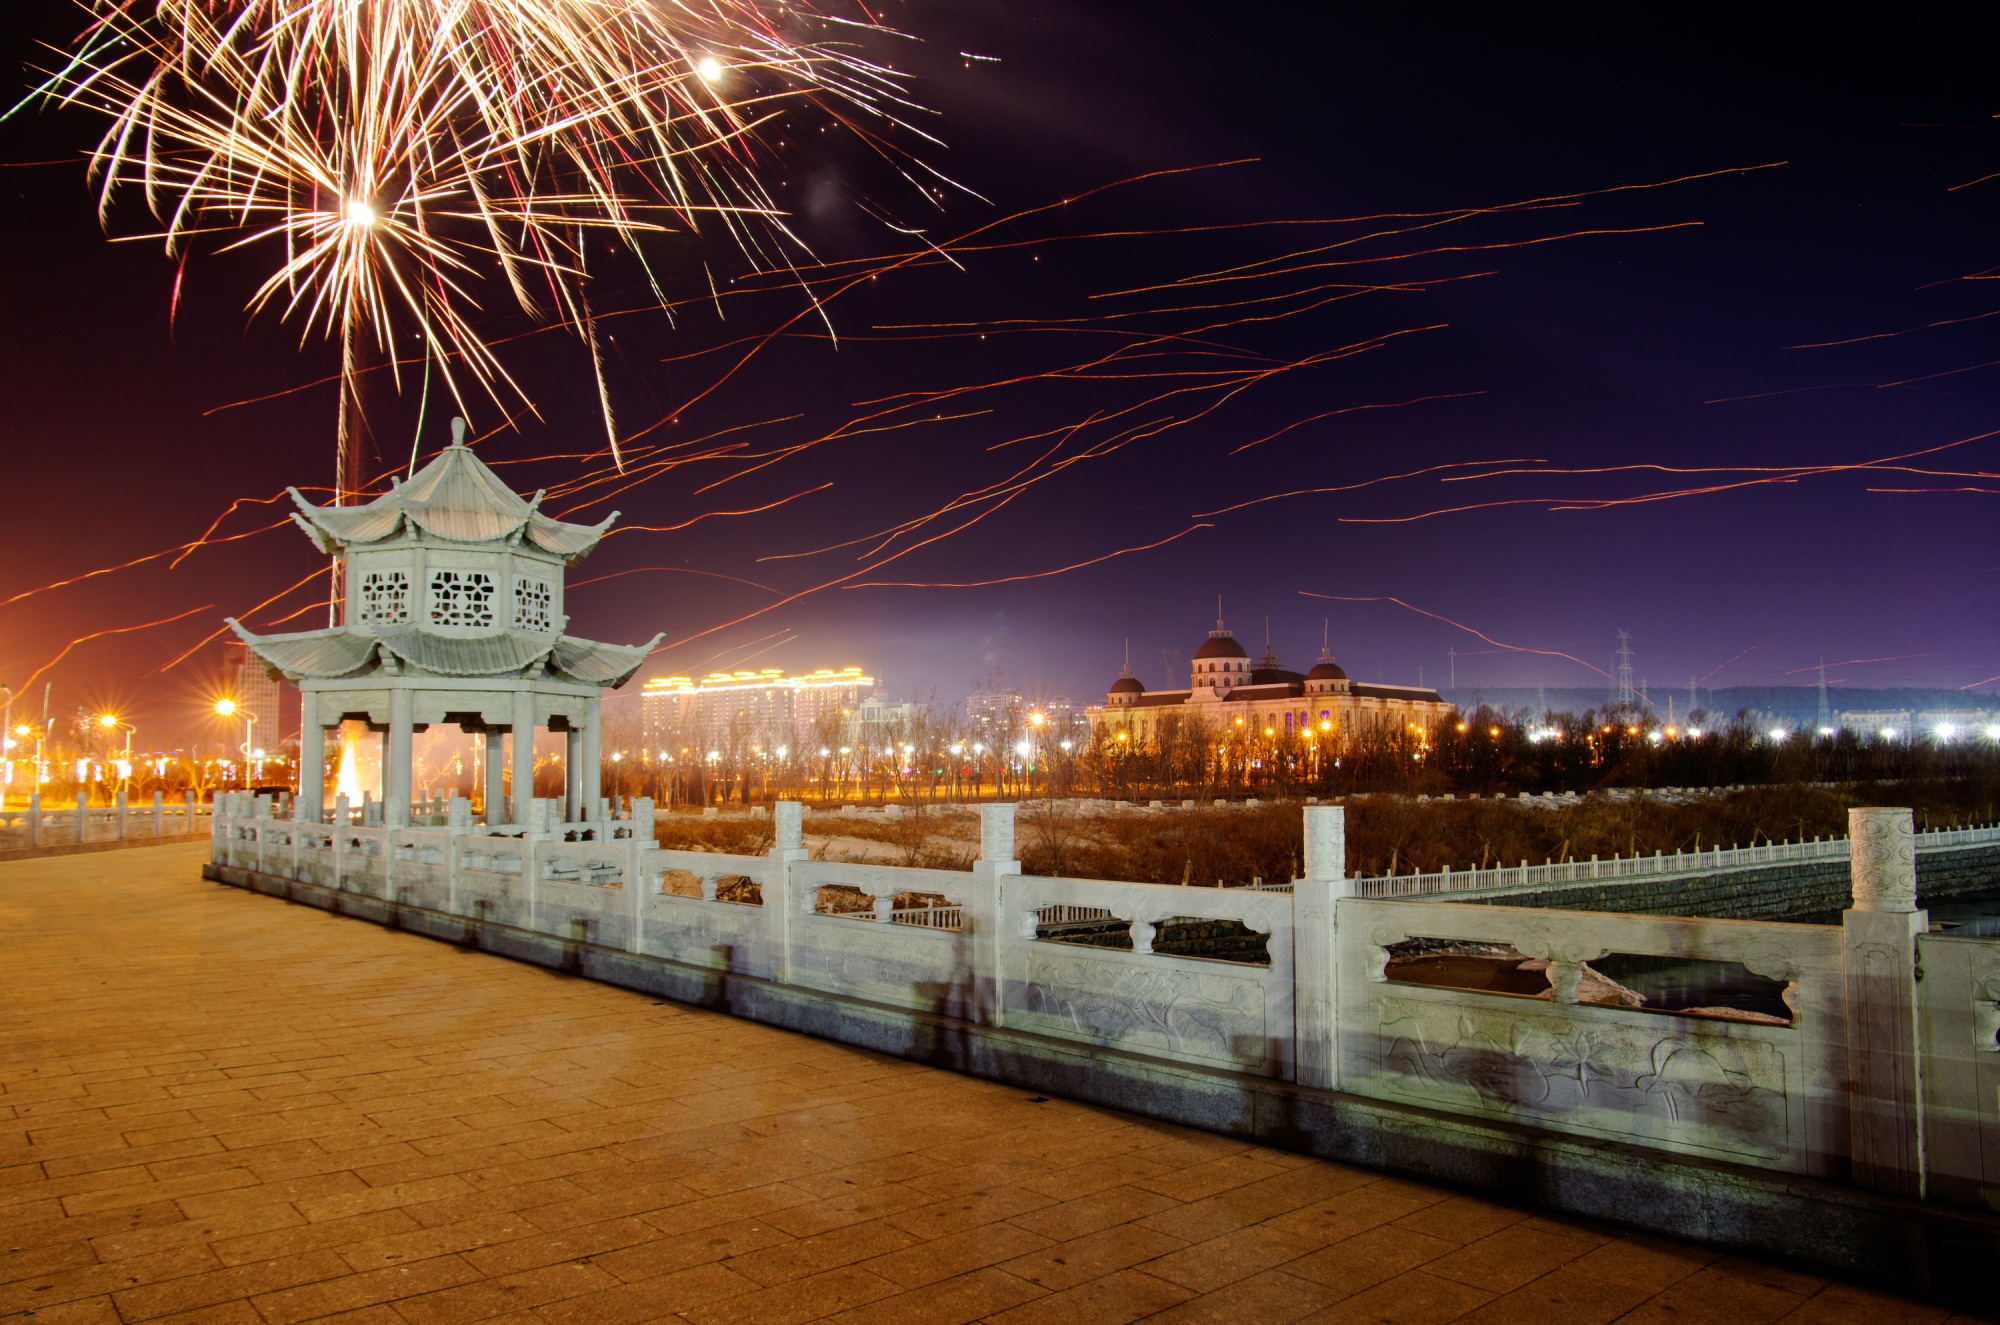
221 1107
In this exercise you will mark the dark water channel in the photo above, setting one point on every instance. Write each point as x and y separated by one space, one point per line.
1671 984
1977 916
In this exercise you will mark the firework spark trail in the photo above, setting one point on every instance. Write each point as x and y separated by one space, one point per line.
1457 625
1032 575
100 634
178 550
675 570
1174 374
1851 662
1761 476
1719 666
210 638
395 154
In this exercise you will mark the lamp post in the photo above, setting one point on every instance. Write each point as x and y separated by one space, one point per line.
7 742
228 708
110 721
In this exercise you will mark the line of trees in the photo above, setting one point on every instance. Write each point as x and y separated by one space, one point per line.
932 754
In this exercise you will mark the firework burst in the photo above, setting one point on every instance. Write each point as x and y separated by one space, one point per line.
394 157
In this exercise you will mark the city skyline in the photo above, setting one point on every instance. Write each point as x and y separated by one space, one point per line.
1709 342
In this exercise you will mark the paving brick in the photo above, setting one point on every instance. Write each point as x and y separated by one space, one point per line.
246 1113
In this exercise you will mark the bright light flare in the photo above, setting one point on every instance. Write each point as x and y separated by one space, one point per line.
360 213
225 708
710 70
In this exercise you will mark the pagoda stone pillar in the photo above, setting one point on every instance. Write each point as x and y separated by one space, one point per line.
396 769
312 768
573 805
524 755
591 775
496 775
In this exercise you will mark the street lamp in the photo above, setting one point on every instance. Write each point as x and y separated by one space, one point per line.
229 708
110 721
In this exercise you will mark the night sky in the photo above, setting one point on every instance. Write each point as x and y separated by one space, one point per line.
1671 345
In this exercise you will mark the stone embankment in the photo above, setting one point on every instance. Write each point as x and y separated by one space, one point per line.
1791 890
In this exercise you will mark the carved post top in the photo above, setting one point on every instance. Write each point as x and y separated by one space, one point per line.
1883 859
1326 842
996 833
788 820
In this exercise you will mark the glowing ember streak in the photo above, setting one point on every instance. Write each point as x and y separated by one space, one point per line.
1033 575
1457 625
100 634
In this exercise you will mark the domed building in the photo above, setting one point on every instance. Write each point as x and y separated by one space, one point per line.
1227 689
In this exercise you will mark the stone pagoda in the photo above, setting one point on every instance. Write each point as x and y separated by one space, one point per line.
453 613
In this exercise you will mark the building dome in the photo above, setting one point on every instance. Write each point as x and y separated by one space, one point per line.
1220 644
1128 684
1326 670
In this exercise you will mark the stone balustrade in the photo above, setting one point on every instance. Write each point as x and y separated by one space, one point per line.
1866 1074
124 820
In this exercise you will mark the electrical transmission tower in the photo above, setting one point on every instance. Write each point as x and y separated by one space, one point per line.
1626 695
1825 713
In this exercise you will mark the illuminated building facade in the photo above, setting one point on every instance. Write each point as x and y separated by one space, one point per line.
1227 689
765 707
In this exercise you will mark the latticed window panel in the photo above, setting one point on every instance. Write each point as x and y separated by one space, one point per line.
385 597
533 600
461 598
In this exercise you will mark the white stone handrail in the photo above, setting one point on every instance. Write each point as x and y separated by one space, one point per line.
51 823
1657 865
1316 1002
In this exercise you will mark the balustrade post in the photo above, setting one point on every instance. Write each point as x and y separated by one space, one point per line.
985 918
159 815
35 816
82 815
1881 928
788 853
343 818
123 808
1315 956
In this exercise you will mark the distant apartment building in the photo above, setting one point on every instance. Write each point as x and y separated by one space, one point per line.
993 710
260 701
996 714
758 708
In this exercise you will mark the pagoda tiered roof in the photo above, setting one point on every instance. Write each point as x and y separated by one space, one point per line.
331 654
455 498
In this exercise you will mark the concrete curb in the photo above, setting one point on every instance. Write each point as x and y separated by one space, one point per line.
1937 1253
91 848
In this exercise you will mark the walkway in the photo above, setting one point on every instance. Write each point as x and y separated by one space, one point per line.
221 1107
